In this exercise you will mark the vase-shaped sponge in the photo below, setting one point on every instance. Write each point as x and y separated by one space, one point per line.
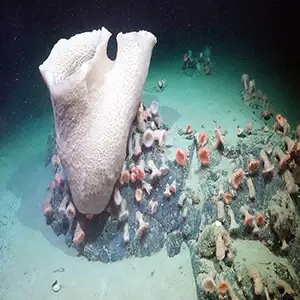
95 101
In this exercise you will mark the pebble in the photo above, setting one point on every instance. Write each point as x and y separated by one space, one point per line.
56 286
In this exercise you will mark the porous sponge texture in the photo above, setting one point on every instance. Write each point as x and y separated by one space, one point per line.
95 102
67 56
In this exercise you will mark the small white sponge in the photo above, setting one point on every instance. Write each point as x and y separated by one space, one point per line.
95 101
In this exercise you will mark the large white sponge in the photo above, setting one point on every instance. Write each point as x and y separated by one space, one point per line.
95 101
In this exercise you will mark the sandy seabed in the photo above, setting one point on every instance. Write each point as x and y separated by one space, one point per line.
29 250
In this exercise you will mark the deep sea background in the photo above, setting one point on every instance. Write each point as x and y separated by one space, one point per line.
265 30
